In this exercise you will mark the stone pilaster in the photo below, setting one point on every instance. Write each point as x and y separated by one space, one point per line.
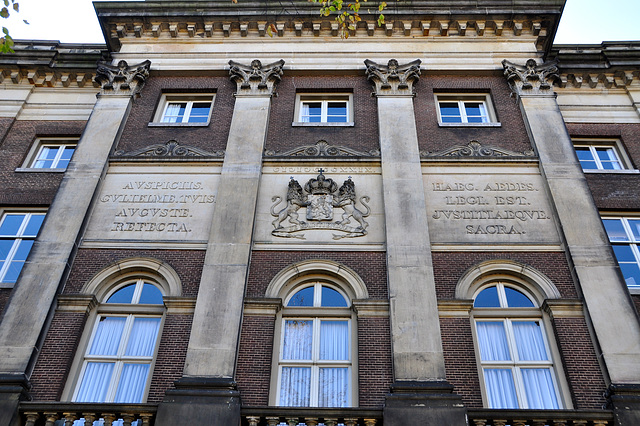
420 394
605 294
210 364
34 293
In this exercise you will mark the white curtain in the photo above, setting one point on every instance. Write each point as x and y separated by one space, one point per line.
304 113
612 159
95 382
297 339
539 388
172 113
142 340
529 341
500 388
108 335
334 340
295 387
334 386
132 383
493 341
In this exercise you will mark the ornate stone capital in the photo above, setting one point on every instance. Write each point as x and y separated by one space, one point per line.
122 79
256 79
531 79
393 79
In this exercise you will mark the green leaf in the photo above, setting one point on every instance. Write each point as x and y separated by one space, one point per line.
6 2
382 6
5 30
4 12
16 7
25 21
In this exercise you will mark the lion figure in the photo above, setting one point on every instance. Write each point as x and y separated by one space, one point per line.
346 200
295 200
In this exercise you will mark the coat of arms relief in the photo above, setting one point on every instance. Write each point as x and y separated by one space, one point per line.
320 196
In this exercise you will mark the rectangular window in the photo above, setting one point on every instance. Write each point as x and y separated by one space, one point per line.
624 235
601 155
184 110
465 110
18 230
323 110
49 155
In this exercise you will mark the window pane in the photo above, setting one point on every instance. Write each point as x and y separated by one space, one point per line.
487 298
124 295
311 112
615 230
331 297
631 273
449 108
5 248
476 112
142 340
337 112
333 387
529 341
501 390
303 297
32 228
334 340
493 341
13 271
586 158
108 335
132 383
199 112
515 299
624 253
174 112
151 295
295 387
23 250
11 224
95 382
297 339
634 224
608 158
539 388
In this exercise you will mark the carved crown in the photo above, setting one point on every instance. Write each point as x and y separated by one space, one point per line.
321 185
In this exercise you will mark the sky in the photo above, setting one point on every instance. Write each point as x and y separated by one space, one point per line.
74 21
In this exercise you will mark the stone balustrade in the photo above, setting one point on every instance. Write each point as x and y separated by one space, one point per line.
310 417
87 414
540 418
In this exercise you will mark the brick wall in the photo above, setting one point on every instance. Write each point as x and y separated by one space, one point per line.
511 135
137 134
30 188
370 266
450 266
255 351
636 302
363 136
88 262
375 373
460 359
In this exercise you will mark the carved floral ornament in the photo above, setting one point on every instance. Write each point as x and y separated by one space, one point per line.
320 196
256 79
393 79
476 149
122 79
531 78
322 149
169 149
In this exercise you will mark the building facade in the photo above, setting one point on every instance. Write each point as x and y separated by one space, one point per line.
235 214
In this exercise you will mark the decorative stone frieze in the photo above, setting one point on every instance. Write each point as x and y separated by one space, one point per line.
393 79
256 79
476 149
47 78
531 78
322 149
169 149
122 79
618 79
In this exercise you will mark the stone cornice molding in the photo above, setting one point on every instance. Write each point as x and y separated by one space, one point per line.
169 149
47 77
599 79
322 149
256 79
122 79
564 308
393 79
78 303
531 79
262 306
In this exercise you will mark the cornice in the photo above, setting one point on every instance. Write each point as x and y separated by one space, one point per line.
599 80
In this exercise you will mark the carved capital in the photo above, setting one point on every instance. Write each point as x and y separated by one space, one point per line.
393 79
531 78
122 79
256 79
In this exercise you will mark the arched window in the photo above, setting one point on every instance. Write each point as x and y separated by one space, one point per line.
118 359
315 360
513 349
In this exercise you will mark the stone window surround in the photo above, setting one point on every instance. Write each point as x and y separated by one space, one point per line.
618 147
169 97
323 97
36 148
483 97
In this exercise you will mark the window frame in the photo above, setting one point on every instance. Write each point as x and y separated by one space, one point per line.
506 316
324 98
36 149
618 149
19 236
461 98
190 98
316 314
632 242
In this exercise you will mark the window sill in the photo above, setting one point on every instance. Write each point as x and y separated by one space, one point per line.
178 124
32 169
623 171
301 124
634 290
470 124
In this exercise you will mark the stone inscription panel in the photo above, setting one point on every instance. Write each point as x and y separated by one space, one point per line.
488 208
153 206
